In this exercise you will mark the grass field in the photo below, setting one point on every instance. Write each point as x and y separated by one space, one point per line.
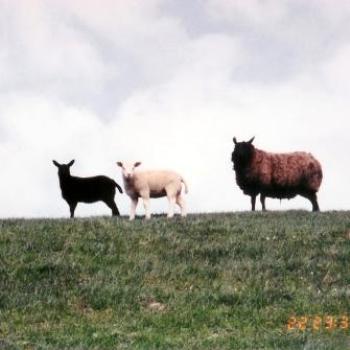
214 281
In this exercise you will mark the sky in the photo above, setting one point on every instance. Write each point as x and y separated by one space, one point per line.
169 83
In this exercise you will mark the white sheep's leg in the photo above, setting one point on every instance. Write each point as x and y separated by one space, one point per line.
181 203
133 206
146 204
172 201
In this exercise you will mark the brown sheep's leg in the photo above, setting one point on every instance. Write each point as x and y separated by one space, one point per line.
312 197
262 200
253 200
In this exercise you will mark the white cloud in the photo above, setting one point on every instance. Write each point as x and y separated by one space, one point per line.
255 11
283 38
36 131
185 99
335 74
269 14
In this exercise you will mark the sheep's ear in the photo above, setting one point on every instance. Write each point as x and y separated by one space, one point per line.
56 163
71 162
235 141
120 164
137 164
251 140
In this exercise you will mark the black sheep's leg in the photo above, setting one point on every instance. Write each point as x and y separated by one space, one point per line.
72 207
115 211
262 200
253 200
111 204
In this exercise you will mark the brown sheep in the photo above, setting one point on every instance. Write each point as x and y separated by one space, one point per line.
276 175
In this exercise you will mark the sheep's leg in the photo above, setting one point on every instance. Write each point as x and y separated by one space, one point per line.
146 204
133 206
72 207
253 200
111 204
172 201
181 203
315 206
262 200
312 197
115 211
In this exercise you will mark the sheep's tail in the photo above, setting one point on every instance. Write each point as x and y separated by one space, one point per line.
118 187
184 182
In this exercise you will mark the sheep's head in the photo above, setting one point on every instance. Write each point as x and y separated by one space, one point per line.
128 169
63 169
243 153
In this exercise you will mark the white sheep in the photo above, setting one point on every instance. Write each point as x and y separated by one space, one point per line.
152 184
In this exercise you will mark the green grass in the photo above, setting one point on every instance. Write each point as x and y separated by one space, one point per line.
215 281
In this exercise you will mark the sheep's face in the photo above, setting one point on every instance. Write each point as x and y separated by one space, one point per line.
243 152
128 169
63 169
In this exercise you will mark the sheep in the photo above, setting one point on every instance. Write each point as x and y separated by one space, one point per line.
152 184
276 175
86 189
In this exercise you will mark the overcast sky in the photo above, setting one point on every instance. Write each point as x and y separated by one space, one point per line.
169 83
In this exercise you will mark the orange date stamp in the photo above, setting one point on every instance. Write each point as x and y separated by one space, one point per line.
318 323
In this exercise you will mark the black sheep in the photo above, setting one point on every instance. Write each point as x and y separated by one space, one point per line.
86 189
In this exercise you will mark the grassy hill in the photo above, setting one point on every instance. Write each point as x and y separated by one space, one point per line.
215 281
